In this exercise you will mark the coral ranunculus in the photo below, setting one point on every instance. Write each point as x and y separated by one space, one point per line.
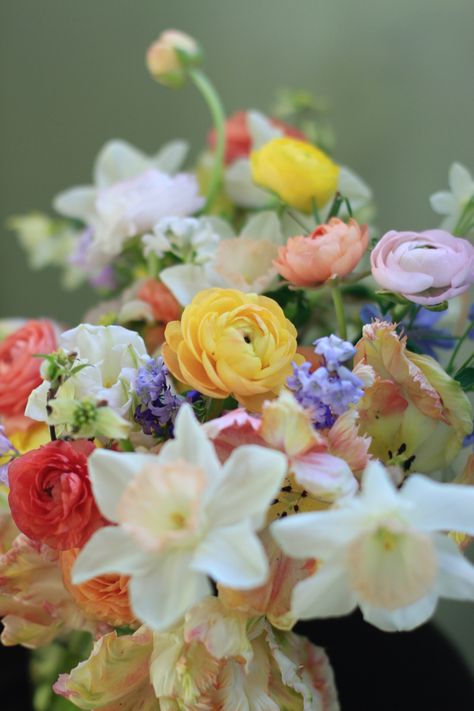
103 598
163 305
50 495
333 249
20 370
298 172
238 139
228 342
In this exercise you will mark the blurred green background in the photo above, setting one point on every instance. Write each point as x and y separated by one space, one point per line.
399 76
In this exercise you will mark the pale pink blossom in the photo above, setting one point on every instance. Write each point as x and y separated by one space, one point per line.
426 267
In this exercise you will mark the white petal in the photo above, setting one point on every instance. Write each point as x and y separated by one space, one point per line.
264 225
191 444
250 480
77 202
443 203
117 161
219 226
185 281
240 187
402 619
378 490
439 507
353 187
461 182
261 129
36 405
162 596
317 534
171 156
109 550
324 594
110 473
233 556
456 573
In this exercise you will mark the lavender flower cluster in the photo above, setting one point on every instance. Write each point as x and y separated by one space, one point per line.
158 402
327 391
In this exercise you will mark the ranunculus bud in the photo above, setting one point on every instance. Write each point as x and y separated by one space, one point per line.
168 57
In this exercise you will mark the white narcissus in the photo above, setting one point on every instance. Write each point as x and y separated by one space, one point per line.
181 517
383 551
452 203
112 355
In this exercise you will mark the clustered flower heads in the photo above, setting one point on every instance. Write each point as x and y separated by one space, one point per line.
183 477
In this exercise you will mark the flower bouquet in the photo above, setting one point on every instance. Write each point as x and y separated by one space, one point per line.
264 420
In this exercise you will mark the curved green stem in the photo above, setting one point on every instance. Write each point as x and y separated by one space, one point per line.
461 340
339 308
214 104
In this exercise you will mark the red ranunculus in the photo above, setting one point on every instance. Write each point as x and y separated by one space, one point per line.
238 142
50 495
20 370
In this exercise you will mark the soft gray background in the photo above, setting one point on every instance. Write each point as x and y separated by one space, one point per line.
399 76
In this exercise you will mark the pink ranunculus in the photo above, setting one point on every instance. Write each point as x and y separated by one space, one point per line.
20 369
426 267
333 249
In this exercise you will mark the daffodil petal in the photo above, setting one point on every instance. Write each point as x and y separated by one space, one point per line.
109 550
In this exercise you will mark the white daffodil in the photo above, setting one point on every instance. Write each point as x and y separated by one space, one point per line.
181 517
131 192
215 257
452 203
112 355
383 551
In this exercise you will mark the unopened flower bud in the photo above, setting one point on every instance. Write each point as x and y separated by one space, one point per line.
168 57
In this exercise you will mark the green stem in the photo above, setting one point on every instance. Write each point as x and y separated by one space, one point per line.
214 408
339 309
461 340
214 104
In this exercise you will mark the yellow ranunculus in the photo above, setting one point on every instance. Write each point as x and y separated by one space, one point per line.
231 343
298 172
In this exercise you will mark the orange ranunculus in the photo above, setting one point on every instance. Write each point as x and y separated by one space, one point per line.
103 598
331 250
231 343
164 306
20 370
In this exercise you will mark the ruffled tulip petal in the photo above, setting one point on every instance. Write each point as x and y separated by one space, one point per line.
234 556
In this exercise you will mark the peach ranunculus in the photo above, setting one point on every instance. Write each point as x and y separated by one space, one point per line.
102 598
330 250
165 61
231 343
20 370
163 305
416 414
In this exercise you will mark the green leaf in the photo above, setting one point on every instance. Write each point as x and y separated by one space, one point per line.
437 307
465 378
